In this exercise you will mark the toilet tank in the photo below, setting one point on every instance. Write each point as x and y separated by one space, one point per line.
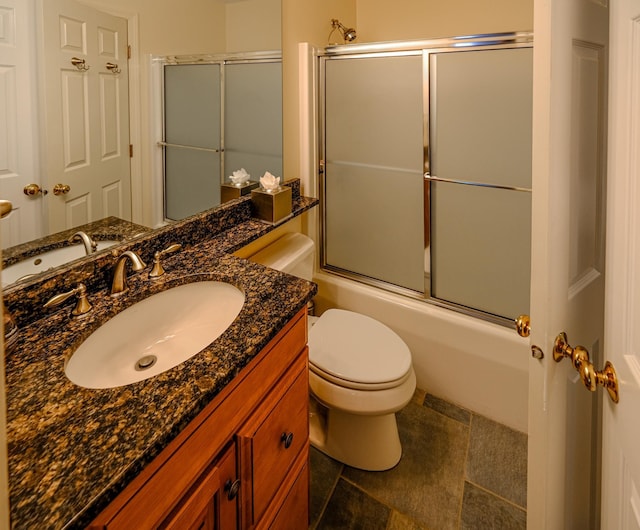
293 253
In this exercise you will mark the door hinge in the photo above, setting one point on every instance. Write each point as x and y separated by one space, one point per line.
130 150
128 51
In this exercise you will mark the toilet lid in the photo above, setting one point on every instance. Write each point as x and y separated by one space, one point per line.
355 347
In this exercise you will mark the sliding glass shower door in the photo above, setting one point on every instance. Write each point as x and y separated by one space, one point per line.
192 133
427 173
480 174
373 169
253 118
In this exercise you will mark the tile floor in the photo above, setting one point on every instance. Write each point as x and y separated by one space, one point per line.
459 470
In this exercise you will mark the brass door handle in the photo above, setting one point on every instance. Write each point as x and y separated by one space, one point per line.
591 377
61 189
33 189
523 325
5 208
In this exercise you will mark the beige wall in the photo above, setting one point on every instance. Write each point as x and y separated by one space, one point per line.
382 20
303 21
253 25
170 27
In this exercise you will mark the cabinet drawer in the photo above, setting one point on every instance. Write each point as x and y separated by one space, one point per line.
270 443
294 511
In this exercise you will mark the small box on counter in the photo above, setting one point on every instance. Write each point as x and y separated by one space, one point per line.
272 206
229 192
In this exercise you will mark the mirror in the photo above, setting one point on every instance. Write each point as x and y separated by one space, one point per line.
218 26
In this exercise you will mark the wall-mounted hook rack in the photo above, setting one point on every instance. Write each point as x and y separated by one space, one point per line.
80 64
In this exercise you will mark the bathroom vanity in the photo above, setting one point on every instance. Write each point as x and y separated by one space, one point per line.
242 462
219 441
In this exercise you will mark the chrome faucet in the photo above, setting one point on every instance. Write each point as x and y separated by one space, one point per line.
119 284
90 245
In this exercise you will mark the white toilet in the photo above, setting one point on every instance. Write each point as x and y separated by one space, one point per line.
360 373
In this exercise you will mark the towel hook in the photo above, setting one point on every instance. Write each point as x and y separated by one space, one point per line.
80 64
113 68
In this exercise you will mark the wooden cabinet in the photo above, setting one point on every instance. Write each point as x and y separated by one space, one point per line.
242 462
197 511
271 442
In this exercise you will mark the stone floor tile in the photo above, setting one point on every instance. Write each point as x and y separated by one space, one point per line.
497 459
427 484
483 511
448 409
351 509
324 476
398 521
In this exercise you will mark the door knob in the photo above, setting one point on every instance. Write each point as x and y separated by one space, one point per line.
5 208
591 377
523 325
33 189
61 189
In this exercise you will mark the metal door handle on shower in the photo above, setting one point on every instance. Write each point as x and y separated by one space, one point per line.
432 178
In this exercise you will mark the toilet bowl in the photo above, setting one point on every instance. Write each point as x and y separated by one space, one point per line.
360 373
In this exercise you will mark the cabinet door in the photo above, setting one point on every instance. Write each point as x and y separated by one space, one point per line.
271 441
230 496
197 510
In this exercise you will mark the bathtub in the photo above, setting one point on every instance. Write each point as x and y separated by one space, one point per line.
477 365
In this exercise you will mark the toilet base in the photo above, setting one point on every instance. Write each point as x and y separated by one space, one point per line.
370 443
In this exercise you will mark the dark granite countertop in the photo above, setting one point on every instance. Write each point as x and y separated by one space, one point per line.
72 449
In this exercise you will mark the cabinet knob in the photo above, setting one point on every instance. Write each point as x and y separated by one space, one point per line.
287 439
232 488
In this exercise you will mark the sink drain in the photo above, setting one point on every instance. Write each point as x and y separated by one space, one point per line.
146 362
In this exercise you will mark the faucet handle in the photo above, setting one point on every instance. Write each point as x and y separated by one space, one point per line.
82 304
158 269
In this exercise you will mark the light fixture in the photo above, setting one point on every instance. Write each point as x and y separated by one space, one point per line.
348 34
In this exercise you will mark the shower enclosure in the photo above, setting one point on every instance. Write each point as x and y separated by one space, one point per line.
220 114
427 169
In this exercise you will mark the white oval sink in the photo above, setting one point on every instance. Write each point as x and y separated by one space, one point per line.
47 260
155 334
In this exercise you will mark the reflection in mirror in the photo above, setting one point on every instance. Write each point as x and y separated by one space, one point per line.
221 115
22 262
215 27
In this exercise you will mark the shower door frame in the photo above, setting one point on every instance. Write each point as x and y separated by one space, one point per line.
222 60
425 48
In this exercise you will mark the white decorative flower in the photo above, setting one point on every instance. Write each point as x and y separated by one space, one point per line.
269 182
239 177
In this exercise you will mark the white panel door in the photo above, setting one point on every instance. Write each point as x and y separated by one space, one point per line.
621 428
567 275
87 108
18 125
